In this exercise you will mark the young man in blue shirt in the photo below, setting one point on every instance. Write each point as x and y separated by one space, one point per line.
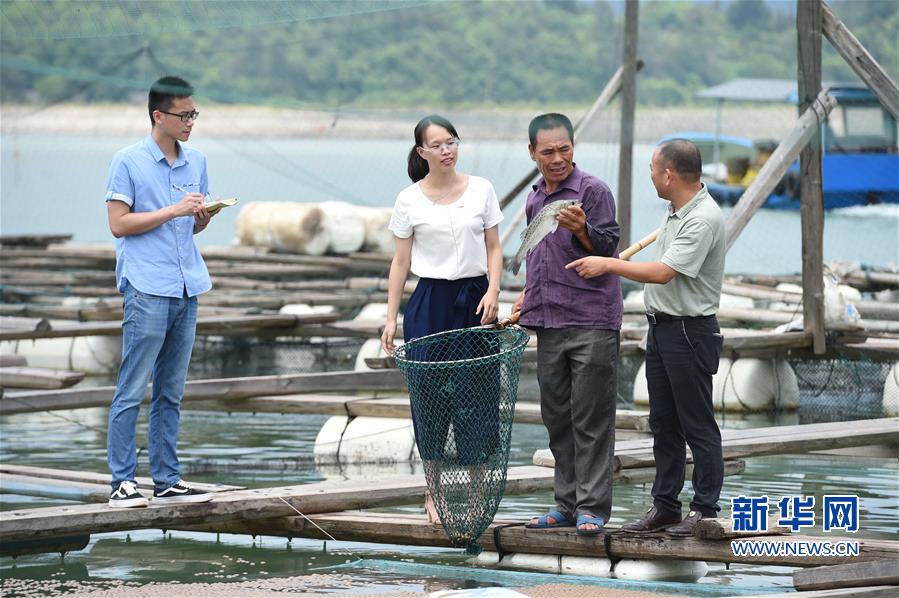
155 198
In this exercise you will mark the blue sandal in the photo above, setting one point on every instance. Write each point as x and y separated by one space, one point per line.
561 520
587 519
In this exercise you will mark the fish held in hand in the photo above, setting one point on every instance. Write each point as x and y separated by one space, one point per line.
543 224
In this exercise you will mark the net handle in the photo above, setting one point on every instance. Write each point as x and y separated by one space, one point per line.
510 321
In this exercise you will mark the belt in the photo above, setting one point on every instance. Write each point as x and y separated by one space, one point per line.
656 317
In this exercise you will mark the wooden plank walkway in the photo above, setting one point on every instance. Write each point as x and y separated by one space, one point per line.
767 441
217 389
262 503
15 328
401 528
398 407
525 413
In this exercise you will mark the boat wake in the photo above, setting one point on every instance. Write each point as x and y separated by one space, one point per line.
890 211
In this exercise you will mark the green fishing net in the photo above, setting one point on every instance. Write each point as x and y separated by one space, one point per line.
462 388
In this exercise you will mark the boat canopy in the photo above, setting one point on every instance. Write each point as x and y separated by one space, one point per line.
779 90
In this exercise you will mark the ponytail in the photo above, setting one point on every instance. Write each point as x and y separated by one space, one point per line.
418 166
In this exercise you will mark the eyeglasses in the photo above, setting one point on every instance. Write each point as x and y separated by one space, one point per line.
184 116
452 145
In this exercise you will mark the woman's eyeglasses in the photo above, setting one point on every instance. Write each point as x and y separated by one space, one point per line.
452 145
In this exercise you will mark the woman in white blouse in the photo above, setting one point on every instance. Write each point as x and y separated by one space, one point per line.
446 229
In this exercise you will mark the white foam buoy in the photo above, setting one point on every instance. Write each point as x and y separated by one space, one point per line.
484 559
548 563
584 565
891 392
645 570
378 238
759 385
371 348
374 312
304 309
88 354
735 302
365 440
745 385
283 225
344 226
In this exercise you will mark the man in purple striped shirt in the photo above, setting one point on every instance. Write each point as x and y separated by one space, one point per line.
577 322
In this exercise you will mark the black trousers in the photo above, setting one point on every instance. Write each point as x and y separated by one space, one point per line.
681 358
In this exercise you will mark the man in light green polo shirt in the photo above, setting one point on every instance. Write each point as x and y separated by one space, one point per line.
683 289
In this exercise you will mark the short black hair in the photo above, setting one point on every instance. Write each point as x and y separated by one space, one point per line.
164 92
683 157
545 122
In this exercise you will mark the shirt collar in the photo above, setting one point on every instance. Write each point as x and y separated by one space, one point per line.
688 207
157 154
573 182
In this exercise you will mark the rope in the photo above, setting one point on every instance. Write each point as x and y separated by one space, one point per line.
314 524
497 542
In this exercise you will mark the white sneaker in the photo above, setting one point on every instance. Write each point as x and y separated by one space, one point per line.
127 496
179 493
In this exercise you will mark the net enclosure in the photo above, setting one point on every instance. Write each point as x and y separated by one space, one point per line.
462 389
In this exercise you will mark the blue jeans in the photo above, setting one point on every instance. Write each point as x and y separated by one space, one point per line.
157 338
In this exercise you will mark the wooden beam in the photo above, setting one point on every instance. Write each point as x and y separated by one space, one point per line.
737 444
396 407
218 325
628 108
808 27
220 388
849 575
401 528
279 503
42 378
857 57
773 170
89 478
60 545
32 240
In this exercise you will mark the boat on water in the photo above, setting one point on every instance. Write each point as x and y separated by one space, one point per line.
860 161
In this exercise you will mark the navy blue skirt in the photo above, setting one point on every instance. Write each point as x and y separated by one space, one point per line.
436 306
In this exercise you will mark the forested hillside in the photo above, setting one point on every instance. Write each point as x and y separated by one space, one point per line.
408 53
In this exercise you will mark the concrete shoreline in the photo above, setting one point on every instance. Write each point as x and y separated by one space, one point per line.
755 122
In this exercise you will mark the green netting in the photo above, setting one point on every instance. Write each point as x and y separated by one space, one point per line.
462 388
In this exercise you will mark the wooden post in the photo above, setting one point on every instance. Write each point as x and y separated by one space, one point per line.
628 101
808 27
860 60
773 170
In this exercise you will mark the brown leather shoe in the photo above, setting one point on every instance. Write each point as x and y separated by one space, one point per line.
684 529
653 521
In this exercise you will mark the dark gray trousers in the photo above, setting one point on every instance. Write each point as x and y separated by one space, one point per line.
681 357
577 370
